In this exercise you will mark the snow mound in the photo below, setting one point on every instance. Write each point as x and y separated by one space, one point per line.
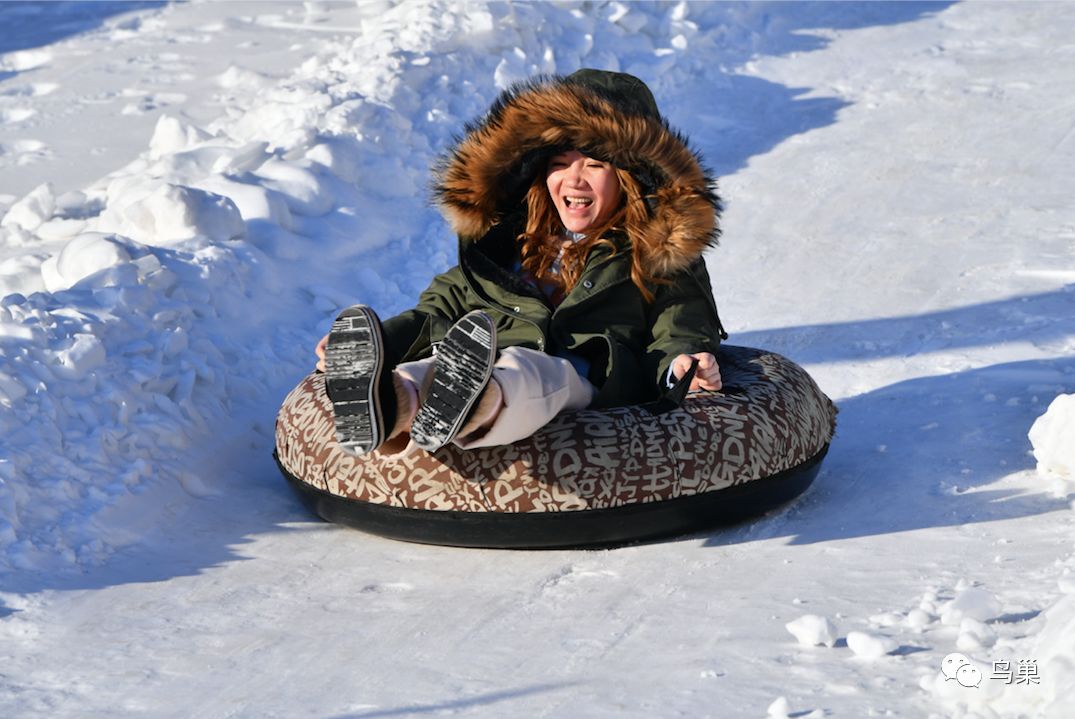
1053 437
25 60
82 257
173 213
813 630
1050 694
971 603
148 306
869 645
779 708
32 210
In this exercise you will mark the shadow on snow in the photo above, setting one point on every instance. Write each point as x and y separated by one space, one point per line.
27 25
1048 317
460 704
924 453
733 117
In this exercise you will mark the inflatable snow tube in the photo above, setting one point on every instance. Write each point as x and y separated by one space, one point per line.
588 478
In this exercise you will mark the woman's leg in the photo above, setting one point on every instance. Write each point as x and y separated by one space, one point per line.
411 380
527 390
534 387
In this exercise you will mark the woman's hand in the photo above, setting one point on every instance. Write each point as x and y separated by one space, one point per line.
706 377
320 352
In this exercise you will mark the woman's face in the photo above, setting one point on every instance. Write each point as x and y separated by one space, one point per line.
586 192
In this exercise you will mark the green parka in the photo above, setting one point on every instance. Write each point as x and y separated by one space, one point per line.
628 342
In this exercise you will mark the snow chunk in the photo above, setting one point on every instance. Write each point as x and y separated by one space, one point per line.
33 210
973 602
918 619
59 229
174 213
1053 438
21 275
253 201
779 708
813 630
237 77
86 354
974 635
303 191
245 158
83 256
171 135
338 154
870 646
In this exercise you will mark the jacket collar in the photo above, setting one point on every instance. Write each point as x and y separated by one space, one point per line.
490 262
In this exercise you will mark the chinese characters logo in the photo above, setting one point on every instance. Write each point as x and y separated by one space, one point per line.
956 667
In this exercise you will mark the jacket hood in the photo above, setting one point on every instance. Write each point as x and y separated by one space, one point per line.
609 116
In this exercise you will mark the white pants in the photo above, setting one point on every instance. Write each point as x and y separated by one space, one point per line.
536 387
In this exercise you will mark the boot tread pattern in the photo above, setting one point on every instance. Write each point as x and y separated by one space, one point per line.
353 363
462 370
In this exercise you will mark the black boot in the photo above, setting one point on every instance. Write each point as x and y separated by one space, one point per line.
463 366
357 382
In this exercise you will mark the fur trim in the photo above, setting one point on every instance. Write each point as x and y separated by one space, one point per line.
487 172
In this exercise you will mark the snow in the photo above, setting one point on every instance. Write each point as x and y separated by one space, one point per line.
779 708
189 192
812 630
1051 436
971 603
869 645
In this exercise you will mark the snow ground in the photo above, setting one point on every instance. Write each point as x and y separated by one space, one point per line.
222 176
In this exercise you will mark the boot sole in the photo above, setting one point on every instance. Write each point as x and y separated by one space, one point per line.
354 360
462 370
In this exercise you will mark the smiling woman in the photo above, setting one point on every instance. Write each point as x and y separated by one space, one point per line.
582 219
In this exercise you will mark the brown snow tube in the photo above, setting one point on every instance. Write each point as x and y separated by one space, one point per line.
588 478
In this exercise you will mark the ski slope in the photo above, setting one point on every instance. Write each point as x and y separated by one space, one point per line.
189 192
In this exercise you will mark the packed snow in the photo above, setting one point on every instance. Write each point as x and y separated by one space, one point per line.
189 192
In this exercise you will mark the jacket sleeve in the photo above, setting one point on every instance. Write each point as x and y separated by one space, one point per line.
411 334
683 320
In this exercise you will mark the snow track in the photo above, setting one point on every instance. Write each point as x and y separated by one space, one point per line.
190 192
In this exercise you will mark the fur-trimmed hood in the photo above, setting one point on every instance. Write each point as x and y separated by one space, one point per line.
609 116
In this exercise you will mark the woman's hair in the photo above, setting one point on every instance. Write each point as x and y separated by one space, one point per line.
541 241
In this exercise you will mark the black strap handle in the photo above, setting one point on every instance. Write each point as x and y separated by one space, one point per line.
675 395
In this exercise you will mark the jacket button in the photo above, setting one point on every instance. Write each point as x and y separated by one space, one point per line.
517 309
587 284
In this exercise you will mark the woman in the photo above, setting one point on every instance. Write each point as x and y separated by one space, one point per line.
582 219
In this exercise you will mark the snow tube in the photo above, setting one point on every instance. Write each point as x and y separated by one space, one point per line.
588 478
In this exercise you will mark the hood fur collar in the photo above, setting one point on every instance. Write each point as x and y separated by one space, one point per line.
484 176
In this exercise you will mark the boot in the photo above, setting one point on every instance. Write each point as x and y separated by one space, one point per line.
358 384
463 366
